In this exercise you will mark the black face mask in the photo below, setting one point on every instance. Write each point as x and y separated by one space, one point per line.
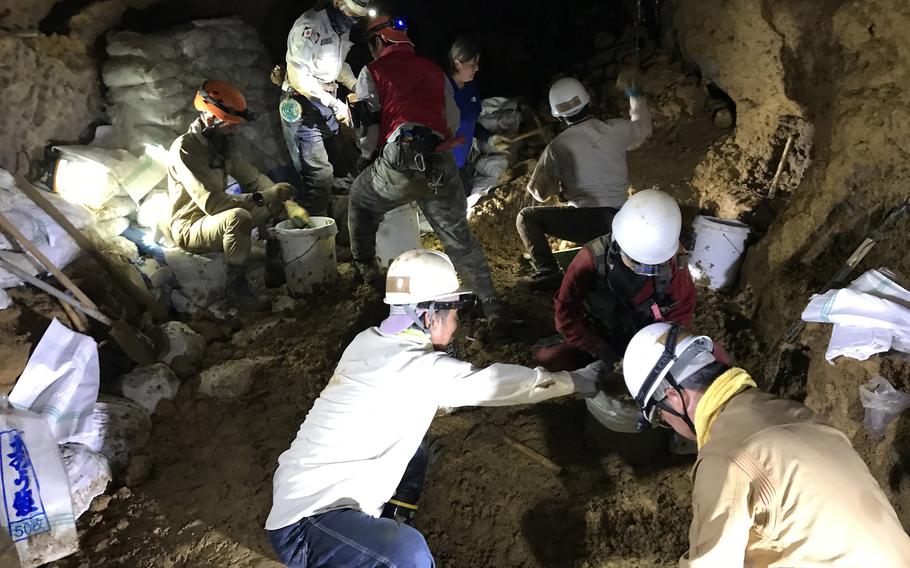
340 22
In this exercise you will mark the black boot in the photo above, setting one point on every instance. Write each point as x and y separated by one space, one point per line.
238 293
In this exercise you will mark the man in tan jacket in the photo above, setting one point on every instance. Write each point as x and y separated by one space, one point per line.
203 217
773 486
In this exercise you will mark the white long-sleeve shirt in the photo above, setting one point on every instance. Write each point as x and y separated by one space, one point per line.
587 162
354 445
316 57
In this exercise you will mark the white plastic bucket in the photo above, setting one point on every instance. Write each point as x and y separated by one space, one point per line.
399 232
719 248
308 254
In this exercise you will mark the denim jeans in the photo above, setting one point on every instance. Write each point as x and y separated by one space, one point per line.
306 140
346 538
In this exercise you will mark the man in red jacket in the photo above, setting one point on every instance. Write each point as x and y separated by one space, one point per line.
406 116
620 283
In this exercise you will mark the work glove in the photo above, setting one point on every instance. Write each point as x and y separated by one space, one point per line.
342 113
299 216
277 75
588 380
278 193
629 82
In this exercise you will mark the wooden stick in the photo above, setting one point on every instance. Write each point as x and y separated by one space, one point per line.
138 294
23 242
15 270
772 192
76 317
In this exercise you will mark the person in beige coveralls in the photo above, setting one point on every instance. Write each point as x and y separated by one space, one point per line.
203 217
773 486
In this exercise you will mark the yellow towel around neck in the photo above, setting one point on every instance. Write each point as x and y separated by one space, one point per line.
718 394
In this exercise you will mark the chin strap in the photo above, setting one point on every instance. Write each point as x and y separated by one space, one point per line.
684 416
411 311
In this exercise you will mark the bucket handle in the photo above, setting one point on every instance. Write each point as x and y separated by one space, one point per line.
731 243
303 254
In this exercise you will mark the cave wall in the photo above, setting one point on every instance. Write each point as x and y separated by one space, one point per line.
840 70
49 83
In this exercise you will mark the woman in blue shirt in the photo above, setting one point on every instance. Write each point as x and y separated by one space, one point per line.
464 63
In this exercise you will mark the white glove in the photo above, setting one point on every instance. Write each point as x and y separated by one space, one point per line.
587 381
342 113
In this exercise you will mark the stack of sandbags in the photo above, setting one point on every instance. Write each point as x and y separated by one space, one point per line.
152 79
42 231
111 184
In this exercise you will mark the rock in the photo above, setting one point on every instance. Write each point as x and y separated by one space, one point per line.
693 97
252 333
122 524
119 426
723 118
283 303
182 341
212 331
88 474
232 379
95 520
124 493
149 385
138 471
100 503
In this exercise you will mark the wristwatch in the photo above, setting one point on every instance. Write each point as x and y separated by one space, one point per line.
258 199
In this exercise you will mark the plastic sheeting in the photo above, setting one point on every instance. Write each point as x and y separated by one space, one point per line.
870 316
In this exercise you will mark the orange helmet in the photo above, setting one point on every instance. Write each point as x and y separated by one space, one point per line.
393 30
224 101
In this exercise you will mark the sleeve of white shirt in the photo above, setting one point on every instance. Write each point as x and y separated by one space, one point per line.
640 126
544 182
453 114
365 90
458 383
300 60
346 76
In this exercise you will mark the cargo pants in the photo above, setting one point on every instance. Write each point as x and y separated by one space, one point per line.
306 140
577 224
382 187
229 232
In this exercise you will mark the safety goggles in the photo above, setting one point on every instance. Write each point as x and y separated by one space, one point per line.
246 115
650 405
463 302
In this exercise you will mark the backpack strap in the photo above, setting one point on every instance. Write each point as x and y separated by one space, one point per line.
600 248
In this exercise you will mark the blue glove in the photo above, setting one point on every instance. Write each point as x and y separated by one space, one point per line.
631 92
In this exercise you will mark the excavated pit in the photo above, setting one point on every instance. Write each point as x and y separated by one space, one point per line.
728 83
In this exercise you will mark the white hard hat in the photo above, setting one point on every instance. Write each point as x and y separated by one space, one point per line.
647 227
421 276
568 97
359 7
649 368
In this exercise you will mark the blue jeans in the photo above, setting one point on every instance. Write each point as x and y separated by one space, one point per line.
350 539
306 141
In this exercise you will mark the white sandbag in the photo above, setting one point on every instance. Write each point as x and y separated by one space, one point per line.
149 385
88 472
146 46
27 225
60 381
107 230
5 300
110 171
119 206
19 260
500 115
128 71
37 506
119 426
160 111
155 209
11 197
61 254
157 90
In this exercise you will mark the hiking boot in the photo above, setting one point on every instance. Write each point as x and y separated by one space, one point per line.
238 292
369 273
547 279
